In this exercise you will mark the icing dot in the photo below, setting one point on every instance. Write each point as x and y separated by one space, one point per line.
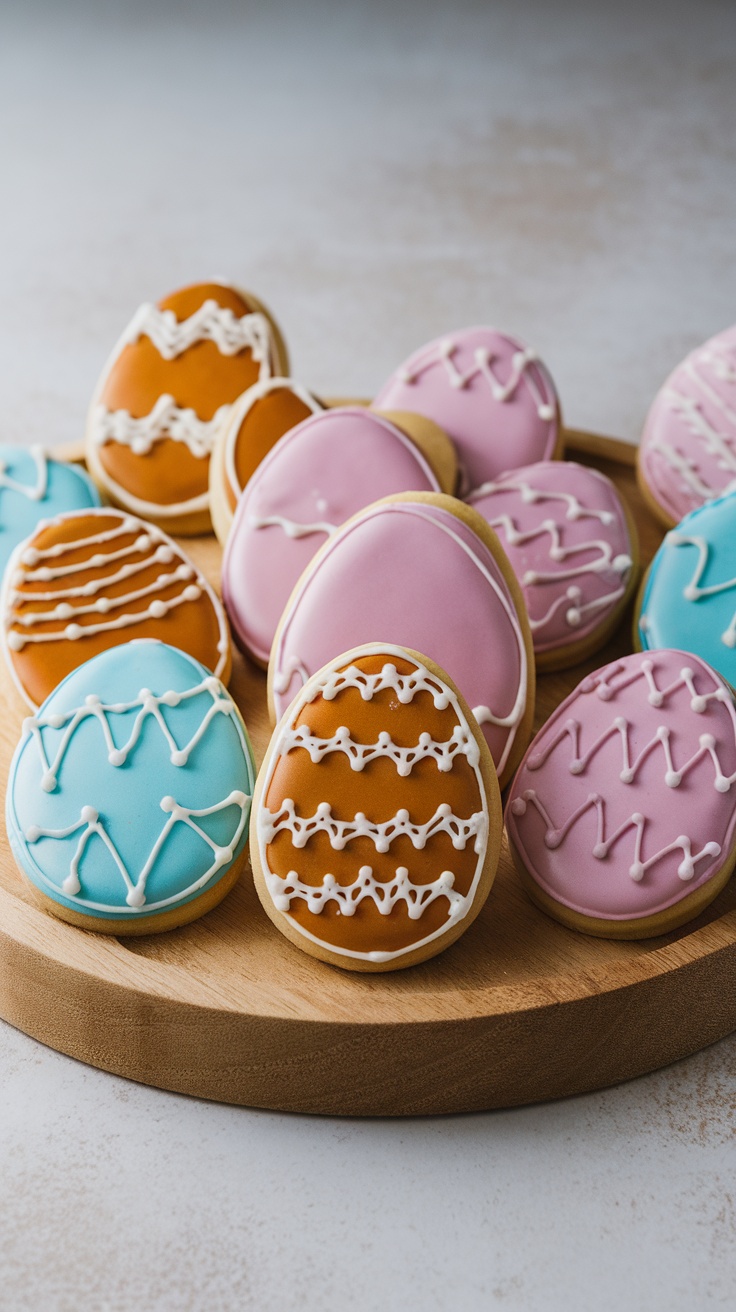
626 776
698 704
690 593
33 833
129 524
73 632
707 741
577 766
103 605
167 803
116 757
622 563
637 871
518 806
140 445
573 617
48 781
29 557
55 720
722 783
673 778
163 555
71 885
63 611
142 543
15 641
608 518
223 855
136 897
655 698
178 758
89 815
158 608
170 698
729 638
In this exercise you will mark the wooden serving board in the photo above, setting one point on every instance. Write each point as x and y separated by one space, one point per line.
518 1010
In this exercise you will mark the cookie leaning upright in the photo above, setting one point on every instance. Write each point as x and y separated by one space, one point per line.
427 572
376 824
687 454
165 393
489 392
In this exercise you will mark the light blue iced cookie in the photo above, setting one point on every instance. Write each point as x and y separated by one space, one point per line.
689 600
129 792
32 488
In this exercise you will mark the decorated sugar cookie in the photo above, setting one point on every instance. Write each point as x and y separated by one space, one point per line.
622 816
573 548
165 393
34 486
92 579
492 396
316 477
376 826
427 572
687 454
257 420
129 792
689 595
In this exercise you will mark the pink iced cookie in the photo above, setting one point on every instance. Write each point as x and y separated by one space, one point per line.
569 540
688 449
491 395
316 476
622 816
422 572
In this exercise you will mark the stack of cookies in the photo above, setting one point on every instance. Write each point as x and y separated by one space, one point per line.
401 570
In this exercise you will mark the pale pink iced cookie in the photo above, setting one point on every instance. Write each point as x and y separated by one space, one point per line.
316 476
489 392
573 548
688 449
422 571
622 816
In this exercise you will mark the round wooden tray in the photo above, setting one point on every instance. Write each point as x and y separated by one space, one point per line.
517 1011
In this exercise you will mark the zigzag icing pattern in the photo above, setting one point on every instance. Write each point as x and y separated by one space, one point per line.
150 547
148 704
34 491
381 834
572 602
210 323
693 590
606 685
91 825
165 420
385 894
481 368
718 442
462 743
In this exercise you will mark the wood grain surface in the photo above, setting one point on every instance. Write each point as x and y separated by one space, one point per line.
519 1010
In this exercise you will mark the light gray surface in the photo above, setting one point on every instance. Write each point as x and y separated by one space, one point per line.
378 176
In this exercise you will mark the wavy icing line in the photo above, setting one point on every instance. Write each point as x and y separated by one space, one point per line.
210 323
35 491
32 566
462 743
556 834
693 591
148 704
385 894
483 358
291 527
722 360
165 420
340 832
91 825
605 561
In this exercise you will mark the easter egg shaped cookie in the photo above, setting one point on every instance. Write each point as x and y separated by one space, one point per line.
257 420
622 816
32 487
315 478
427 572
689 594
129 793
573 547
165 393
489 392
93 579
376 825
687 454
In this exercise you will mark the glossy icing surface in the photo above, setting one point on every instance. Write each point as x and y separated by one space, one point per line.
565 532
317 476
167 390
690 596
373 822
89 580
33 487
130 789
688 448
262 415
625 802
421 578
491 394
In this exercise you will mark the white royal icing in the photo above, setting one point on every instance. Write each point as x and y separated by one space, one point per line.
462 743
30 565
291 527
33 491
482 367
693 590
719 357
166 420
210 323
244 405
341 832
385 894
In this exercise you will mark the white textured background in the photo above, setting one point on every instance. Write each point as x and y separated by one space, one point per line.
379 175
